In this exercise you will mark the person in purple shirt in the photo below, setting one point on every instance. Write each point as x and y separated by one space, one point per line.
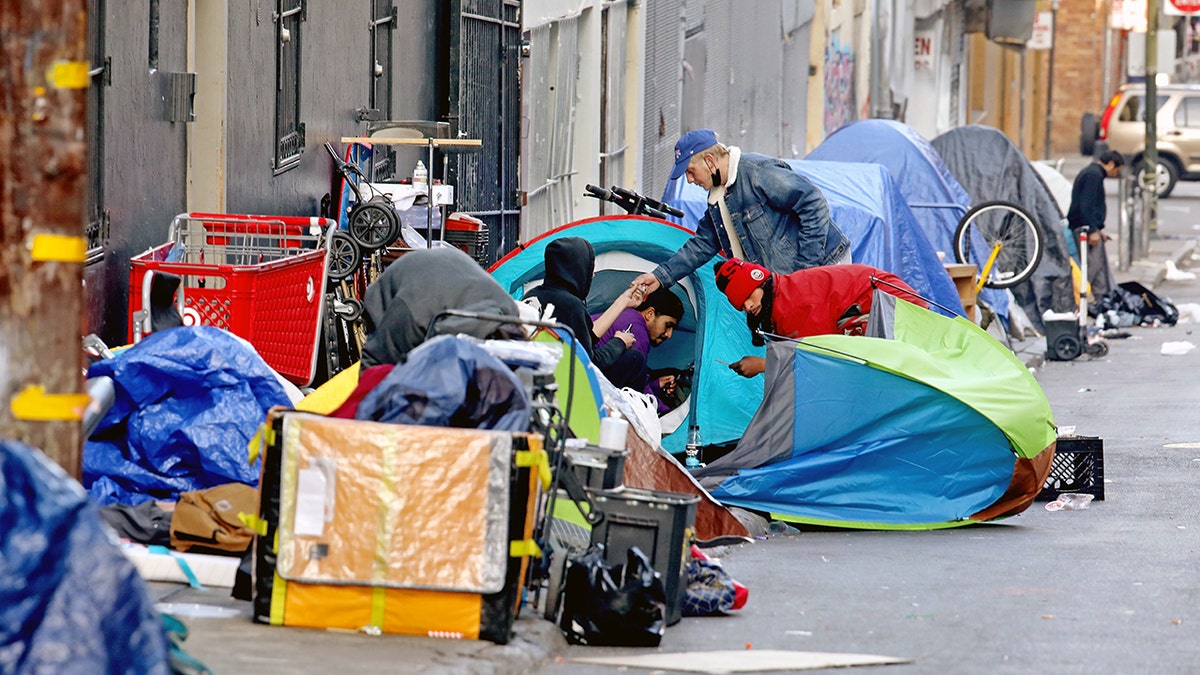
651 323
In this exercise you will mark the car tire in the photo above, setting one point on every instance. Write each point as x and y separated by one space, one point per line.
1170 171
1089 131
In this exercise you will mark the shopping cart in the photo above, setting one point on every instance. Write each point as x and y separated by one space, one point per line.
262 278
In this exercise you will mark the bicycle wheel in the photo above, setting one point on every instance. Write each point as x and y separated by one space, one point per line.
1004 226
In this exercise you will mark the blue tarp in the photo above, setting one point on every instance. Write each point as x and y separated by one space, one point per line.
449 382
867 206
188 401
70 602
937 200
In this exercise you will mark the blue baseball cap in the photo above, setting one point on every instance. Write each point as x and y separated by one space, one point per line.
688 145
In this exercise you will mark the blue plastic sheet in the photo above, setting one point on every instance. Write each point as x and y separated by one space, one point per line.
69 600
449 382
188 400
868 208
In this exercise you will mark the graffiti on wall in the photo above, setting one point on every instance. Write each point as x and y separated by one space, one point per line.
839 86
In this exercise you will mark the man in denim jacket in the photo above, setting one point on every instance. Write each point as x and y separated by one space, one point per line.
759 209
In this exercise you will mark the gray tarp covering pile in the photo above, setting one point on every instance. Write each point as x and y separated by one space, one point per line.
990 167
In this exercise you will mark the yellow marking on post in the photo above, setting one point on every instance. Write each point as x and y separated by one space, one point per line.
33 404
69 75
58 248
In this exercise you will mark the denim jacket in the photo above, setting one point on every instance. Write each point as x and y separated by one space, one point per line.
780 217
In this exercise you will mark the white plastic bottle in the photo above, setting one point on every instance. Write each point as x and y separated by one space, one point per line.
420 174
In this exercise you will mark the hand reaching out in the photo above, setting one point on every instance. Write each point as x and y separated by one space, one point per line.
624 336
749 366
646 283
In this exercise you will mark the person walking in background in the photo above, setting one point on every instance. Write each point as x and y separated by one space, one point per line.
759 210
1087 214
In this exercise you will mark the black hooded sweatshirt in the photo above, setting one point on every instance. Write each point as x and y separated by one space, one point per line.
413 290
570 262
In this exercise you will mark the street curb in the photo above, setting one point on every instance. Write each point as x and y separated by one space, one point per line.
1181 254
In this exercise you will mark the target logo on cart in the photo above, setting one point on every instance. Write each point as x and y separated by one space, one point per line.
1182 7
191 317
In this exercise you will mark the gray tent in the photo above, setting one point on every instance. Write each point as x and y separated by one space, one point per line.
990 167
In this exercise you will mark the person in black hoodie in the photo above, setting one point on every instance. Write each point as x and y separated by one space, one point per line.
570 264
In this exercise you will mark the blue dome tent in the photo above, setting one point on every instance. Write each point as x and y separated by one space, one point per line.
937 200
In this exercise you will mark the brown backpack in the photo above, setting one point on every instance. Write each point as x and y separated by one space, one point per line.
207 520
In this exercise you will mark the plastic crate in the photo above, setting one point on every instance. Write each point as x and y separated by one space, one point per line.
661 524
1078 466
469 234
261 278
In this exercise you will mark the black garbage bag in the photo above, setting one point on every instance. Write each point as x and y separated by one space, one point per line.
1132 304
622 606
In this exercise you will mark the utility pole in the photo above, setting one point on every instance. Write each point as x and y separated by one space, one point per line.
1150 158
43 164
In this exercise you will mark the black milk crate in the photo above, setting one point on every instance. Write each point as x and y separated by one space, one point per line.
1077 467
659 523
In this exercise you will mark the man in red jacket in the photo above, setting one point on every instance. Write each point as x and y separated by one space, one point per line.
827 300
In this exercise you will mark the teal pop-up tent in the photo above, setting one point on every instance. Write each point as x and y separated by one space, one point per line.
712 331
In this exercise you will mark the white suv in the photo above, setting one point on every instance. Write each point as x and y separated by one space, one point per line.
1123 128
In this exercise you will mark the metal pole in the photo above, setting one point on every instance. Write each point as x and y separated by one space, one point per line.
1050 78
1150 159
1124 218
880 100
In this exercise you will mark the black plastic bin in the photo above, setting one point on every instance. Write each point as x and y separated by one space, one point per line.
1064 341
599 468
661 524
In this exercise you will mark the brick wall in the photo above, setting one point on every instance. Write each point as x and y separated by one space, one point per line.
1078 70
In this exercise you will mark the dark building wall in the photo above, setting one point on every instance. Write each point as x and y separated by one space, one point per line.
144 157
335 82
144 161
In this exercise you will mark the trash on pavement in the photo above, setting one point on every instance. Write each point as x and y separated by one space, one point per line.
1070 501
1177 348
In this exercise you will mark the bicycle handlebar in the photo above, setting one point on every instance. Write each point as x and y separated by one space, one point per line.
633 202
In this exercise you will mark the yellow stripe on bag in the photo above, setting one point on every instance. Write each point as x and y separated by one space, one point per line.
536 458
524 549
384 526
254 523
263 437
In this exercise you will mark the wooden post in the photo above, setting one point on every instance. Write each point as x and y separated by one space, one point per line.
43 80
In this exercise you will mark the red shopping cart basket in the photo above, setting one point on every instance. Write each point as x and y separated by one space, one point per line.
259 277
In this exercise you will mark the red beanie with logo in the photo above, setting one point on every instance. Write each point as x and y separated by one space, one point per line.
737 279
